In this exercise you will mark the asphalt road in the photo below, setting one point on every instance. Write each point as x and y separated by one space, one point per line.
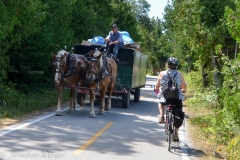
121 134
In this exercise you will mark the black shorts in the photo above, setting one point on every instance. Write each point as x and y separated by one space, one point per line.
176 102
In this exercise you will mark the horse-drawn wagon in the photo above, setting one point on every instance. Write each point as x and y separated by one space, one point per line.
90 71
131 72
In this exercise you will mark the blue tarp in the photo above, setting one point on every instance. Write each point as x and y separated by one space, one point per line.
127 39
125 33
98 40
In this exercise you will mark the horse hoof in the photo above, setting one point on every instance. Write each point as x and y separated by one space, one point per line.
58 113
107 108
70 111
101 112
92 115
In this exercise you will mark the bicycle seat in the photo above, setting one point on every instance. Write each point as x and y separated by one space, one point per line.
171 105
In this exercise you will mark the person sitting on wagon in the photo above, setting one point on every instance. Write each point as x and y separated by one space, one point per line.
114 41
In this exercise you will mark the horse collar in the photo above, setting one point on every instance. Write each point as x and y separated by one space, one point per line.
71 68
105 72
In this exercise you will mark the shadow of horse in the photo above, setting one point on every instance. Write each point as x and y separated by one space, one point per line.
101 75
70 71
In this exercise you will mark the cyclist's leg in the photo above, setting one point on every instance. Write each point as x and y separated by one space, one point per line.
179 105
161 107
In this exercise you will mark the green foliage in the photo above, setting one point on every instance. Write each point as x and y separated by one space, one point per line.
207 98
125 17
15 104
202 34
194 79
233 149
219 124
32 29
233 20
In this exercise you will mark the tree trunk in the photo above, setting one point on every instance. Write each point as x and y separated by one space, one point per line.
227 50
235 57
215 77
189 64
204 76
235 53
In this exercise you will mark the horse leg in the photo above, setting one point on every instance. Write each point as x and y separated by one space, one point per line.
102 93
72 103
81 100
109 103
92 98
59 108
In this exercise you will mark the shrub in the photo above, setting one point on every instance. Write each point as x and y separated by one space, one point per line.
233 149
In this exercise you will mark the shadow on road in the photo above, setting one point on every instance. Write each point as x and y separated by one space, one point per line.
132 126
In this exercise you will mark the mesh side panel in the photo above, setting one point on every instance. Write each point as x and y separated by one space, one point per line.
126 57
83 49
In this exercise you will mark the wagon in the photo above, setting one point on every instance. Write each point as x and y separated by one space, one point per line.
132 68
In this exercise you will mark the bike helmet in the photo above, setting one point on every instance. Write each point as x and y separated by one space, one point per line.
172 61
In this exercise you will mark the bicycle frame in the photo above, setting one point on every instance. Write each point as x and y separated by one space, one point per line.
169 127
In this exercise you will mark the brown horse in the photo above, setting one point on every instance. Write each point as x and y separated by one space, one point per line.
101 74
70 71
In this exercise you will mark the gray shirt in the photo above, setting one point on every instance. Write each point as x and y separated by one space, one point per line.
116 36
165 79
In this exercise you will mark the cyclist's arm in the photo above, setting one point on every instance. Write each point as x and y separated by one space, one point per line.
183 85
157 86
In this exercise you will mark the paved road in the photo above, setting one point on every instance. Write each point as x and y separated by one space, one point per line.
130 134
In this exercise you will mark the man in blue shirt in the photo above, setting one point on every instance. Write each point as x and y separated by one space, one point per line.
114 40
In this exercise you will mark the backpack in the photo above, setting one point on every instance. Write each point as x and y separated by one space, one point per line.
178 117
170 91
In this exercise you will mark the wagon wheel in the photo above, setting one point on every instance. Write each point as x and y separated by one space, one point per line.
125 99
79 97
97 96
137 95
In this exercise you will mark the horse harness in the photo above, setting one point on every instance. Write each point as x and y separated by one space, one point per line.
74 62
105 72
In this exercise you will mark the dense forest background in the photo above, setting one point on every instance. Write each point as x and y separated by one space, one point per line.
204 35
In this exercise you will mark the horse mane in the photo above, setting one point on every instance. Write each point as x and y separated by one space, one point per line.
96 53
61 53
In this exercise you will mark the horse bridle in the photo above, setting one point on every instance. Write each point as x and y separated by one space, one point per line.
57 60
92 71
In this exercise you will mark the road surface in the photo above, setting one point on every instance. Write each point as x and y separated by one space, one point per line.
121 134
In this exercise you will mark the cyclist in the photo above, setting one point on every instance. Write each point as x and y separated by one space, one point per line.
172 64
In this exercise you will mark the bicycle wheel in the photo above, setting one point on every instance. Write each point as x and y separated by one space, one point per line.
169 140
169 130
166 126
166 123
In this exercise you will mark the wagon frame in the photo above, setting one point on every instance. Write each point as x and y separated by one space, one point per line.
131 75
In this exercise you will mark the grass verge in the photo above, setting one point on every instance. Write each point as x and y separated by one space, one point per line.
21 106
210 136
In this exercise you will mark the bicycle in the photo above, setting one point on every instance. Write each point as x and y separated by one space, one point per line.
169 126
